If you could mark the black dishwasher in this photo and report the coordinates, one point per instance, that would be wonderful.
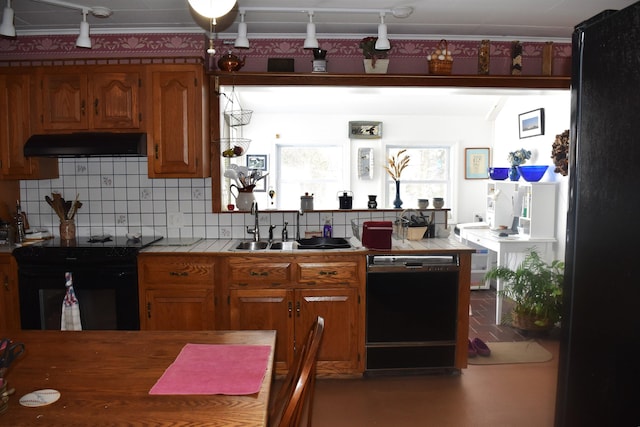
(411, 315)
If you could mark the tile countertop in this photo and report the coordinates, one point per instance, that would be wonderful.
(211, 246)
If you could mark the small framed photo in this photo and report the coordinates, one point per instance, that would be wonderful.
(257, 161)
(531, 123)
(476, 163)
(365, 130)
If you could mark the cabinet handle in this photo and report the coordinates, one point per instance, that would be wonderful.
(178, 273)
(156, 151)
(298, 308)
(95, 106)
(6, 282)
(255, 273)
(328, 273)
(148, 310)
(82, 107)
(290, 307)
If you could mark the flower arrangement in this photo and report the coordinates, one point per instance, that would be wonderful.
(516, 158)
(368, 46)
(396, 164)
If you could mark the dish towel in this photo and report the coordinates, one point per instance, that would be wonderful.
(215, 369)
(70, 319)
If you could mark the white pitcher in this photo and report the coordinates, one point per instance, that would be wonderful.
(244, 198)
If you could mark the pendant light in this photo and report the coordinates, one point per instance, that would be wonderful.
(212, 8)
(83, 39)
(311, 42)
(242, 41)
(383, 41)
(7, 28)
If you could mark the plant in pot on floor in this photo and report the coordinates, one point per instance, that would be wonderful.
(375, 61)
(536, 289)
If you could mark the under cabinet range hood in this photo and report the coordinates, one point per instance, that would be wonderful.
(85, 144)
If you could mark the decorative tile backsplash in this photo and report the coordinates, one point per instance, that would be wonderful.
(118, 198)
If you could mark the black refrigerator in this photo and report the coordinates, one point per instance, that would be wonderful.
(599, 365)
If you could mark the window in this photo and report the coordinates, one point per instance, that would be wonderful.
(427, 176)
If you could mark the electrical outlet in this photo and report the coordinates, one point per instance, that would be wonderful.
(175, 219)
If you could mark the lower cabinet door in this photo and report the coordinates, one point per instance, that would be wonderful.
(266, 309)
(178, 309)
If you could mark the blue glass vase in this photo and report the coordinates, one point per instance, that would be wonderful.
(397, 203)
(514, 175)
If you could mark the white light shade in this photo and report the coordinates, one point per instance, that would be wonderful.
(7, 28)
(83, 39)
(212, 8)
(311, 42)
(242, 41)
(383, 41)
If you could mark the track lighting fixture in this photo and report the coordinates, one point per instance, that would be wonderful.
(383, 41)
(242, 41)
(7, 28)
(83, 39)
(311, 42)
(212, 8)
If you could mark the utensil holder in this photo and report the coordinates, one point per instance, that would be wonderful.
(67, 229)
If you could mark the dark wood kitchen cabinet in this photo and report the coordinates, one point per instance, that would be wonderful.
(87, 98)
(176, 292)
(288, 293)
(9, 296)
(15, 129)
(179, 140)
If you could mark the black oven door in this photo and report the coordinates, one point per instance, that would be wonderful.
(107, 296)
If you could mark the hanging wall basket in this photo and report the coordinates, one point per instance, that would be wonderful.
(234, 114)
(234, 147)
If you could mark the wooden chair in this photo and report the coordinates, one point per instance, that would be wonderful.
(295, 397)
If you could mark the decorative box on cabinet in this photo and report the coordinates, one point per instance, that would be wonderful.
(179, 141)
(15, 129)
(176, 292)
(287, 294)
(87, 98)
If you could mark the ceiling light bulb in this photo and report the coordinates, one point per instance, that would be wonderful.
(383, 41)
(7, 28)
(242, 41)
(212, 8)
(311, 42)
(83, 39)
(211, 50)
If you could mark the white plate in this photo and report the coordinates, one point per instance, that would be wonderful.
(40, 398)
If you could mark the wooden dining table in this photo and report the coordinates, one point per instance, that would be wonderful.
(104, 378)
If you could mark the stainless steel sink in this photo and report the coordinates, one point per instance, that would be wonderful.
(324, 243)
(252, 246)
(276, 246)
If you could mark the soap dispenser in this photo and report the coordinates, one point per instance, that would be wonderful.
(328, 230)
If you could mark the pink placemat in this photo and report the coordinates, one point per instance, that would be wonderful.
(215, 369)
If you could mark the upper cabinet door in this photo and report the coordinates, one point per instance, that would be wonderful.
(178, 142)
(64, 101)
(89, 99)
(116, 100)
(15, 129)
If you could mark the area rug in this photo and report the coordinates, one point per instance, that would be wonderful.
(513, 352)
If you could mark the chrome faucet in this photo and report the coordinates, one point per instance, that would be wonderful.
(298, 215)
(256, 228)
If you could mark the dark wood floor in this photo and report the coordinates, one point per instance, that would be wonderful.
(518, 395)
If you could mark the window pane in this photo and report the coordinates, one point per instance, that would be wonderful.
(316, 170)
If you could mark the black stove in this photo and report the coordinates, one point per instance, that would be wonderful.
(83, 250)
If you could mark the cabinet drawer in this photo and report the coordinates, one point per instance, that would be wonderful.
(328, 273)
(176, 269)
(259, 273)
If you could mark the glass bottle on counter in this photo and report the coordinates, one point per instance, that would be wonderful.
(20, 235)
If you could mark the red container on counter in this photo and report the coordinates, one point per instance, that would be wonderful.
(377, 234)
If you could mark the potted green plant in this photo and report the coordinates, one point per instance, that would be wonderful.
(536, 289)
(375, 61)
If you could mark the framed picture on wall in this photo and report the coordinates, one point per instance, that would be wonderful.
(476, 163)
(531, 123)
(257, 161)
(365, 130)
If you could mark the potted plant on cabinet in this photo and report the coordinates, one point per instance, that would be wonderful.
(536, 289)
(375, 61)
